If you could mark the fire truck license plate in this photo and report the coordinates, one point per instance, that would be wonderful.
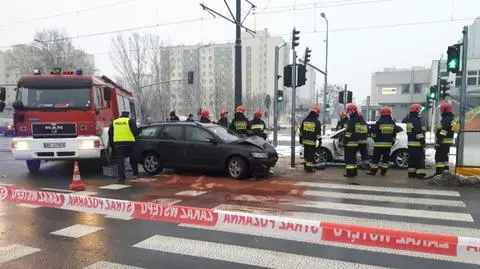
(53, 145)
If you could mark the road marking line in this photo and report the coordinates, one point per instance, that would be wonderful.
(118, 217)
(242, 255)
(404, 212)
(378, 189)
(57, 190)
(114, 187)
(28, 205)
(110, 265)
(77, 230)
(85, 193)
(15, 251)
(166, 201)
(369, 222)
(382, 198)
(190, 193)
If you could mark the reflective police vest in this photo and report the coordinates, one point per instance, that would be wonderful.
(121, 131)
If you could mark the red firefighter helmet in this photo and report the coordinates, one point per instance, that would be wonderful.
(223, 112)
(343, 114)
(415, 108)
(204, 113)
(316, 109)
(352, 107)
(258, 113)
(386, 111)
(240, 109)
(445, 107)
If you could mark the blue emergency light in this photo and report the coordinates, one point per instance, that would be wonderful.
(79, 71)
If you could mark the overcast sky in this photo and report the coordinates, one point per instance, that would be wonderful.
(415, 32)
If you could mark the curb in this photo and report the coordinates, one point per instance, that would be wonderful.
(311, 231)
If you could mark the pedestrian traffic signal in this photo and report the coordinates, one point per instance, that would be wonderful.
(345, 98)
(279, 96)
(453, 61)
(433, 94)
(327, 107)
(444, 88)
(190, 77)
(295, 39)
(423, 107)
(307, 55)
(301, 74)
(287, 76)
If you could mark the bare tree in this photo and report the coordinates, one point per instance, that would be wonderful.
(161, 92)
(51, 48)
(129, 57)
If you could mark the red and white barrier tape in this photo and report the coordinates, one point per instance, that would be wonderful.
(273, 226)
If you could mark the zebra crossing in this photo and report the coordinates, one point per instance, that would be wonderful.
(420, 210)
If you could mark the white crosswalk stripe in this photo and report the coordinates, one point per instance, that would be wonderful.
(15, 251)
(242, 255)
(110, 265)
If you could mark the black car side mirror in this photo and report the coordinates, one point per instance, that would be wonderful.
(212, 140)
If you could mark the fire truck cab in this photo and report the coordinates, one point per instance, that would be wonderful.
(65, 116)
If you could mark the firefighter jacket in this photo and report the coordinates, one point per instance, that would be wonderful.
(341, 123)
(224, 122)
(362, 131)
(356, 130)
(445, 130)
(384, 132)
(415, 130)
(311, 130)
(205, 120)
(240, 123)
(258, 127)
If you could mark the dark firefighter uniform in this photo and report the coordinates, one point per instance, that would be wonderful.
(362, 131)
(444, 138)
(353, 127)
(416, 143)
(240, 122)
(258, 126)
(122, 133)
(343, 120)
(384, 134)
(204, 116)
(310, 132)
(223, 121)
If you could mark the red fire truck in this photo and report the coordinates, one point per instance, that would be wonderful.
(65, 116)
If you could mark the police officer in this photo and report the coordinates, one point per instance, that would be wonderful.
(444, 138)
(310, 132)
(240, 122)
(362, 130)
(258, 126)
(223, 121)
(204, 116)
(384, 134)
(353, 127)
(416, 143)
(121, 134)
(343, 120)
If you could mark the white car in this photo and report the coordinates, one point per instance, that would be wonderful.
(331, 149)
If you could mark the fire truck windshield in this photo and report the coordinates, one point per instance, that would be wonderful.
(55, 98)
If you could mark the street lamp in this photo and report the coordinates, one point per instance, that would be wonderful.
(324, 116)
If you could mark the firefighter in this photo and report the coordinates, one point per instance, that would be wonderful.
(444, 138)
(352, 133)
(416, 143)
(343, 120)
(362, 130)
(223, 121)
(121, 135)
(258, 126)
(204, 116)
(240, 122)
(384, 134)
(173, 116)
(310, 132)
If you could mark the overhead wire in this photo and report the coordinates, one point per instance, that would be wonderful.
(320, 5)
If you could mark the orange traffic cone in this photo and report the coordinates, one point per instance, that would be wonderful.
(77, 184)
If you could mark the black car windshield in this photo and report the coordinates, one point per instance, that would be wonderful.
(55, 98)
(225, 134)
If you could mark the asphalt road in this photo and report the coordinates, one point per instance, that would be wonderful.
(41, 237)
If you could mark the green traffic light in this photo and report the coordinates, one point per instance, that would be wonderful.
(432, 95)
(423, 109)
(453, 64)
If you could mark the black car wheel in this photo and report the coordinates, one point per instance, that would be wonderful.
(152, 164)
(400, 158)
(33, 166)
(237, 168)
(322, 155)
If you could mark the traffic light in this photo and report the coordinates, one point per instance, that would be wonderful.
(302, 74)
(295, 38)
(279, 96)
(190, 77)
(453, 60)
(424, 106)
(307, 55)
(444, 88)
(327, 107)
(342, 96)
(433, 94)
(287, 76)
(3, 94)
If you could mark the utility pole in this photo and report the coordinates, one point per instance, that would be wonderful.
(463, 98)
(434, 110)
(294, 95)
(345, 94)
(238, 21)
(324, 116)
(275, 95)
